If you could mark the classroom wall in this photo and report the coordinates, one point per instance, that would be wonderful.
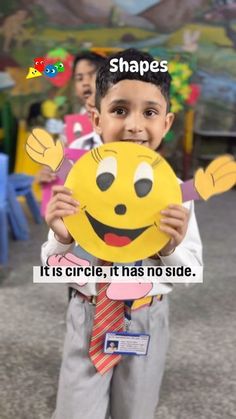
(203, 30)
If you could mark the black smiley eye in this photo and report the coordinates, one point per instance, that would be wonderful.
(143, 187)
(105, 180)
(47, 70)
(106, 173)
(143, 179)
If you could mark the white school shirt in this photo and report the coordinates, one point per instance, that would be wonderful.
(188, 253)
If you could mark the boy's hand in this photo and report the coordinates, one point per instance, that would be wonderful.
(174, 223)
(60, 205)
(45, 175)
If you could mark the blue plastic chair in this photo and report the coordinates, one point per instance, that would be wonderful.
(21, 185)
(3, 209)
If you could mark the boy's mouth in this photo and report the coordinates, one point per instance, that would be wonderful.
(136, 141)
(87, 93)
(114, 236)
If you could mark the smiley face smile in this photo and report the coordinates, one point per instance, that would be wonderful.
(114, 236)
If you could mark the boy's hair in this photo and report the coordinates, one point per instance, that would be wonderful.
(93, 57)
(105, 78)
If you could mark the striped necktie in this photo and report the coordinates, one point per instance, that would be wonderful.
(109, 317)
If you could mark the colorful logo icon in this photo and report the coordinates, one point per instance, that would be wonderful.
(39, 63)
(50, 71)
(33, 72)
(60, 67)
(56, 66)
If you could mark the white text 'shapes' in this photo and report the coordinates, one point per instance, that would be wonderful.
(141, 67)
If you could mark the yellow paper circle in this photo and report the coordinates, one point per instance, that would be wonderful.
(121, 188)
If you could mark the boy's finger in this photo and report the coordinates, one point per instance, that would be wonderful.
(47, 169)
(52, 175)
(61, 188)
(173, 222)
(52, 209)
(64, 206)
(62, 213)
(171, 232)
(66, 198)
(174, 213)
(61, 197)
(177, 207)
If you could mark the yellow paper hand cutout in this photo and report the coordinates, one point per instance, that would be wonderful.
(42, 148)
(218, 177)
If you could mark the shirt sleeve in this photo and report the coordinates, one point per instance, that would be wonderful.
(52, 246)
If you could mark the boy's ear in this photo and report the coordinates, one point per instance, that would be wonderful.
(169, 119)
(96, 121)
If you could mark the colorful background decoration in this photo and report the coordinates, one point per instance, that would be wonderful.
(205, 31)
(199, 43)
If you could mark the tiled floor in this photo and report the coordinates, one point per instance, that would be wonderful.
(200, 378)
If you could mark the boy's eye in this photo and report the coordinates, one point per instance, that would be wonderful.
(119, 111)
(150, 112)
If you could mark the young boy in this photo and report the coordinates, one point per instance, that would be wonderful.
(85, 66)
(134, 108)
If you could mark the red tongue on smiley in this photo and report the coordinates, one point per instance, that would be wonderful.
(114, 240)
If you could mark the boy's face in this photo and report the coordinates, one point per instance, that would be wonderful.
(83, 77)
(90, 101)
(135, 111)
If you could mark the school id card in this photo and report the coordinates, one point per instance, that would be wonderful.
(125, 343)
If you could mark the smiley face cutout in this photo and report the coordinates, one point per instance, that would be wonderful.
(121, 188)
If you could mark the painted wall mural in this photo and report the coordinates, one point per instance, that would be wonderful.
(200, 32)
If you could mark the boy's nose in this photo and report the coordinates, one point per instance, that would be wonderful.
(87, 79)
(134, 124)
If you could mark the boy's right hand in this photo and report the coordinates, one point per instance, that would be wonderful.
(60, 205)
(45, 175)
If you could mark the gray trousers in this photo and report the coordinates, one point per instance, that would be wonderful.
(128, 391)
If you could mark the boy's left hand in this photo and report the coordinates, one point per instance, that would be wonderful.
(174, 222)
